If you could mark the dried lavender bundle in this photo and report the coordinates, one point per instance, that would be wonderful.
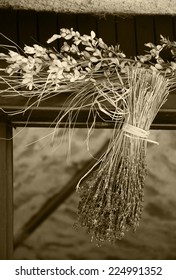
(112, 195)
(99, 77)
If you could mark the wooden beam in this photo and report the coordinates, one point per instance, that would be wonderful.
(46, 115)
(6, 192)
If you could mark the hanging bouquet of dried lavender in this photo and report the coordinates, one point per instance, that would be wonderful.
(129, 91)
(112, 196)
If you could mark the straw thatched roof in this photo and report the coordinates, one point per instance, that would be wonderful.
(96, 6)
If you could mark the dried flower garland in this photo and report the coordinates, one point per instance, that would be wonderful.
(129, 91)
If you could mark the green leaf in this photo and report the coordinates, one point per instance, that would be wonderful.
(90, 49)
(3, 56)
(98, 66)
(68, 37)
(97, 53)
(92, 34)
(158, 66)
(94, 59)
(77, 42)
(53, 56)
(149, 45)
(86, 54)
(53, 38)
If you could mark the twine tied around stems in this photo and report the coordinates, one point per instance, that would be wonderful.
(137, 132)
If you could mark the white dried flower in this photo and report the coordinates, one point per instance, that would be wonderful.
(29, 50)
(53, 38)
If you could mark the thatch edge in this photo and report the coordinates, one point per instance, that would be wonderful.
(103, 7)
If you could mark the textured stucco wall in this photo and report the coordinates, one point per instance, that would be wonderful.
(41, 170)
(96, 6)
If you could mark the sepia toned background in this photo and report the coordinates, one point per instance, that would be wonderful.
(41, 169)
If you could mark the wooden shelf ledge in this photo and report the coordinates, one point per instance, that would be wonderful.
(46, 114)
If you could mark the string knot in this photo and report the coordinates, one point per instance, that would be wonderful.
(137, 132)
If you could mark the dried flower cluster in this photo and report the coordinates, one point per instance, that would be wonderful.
(112, 196)
(129, 91)
(161, 57)
(76, 61)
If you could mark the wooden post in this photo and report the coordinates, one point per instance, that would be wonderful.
(6, 192)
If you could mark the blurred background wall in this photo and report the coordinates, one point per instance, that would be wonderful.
(42, 169)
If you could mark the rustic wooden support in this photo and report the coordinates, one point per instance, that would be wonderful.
(46, 115)
(6, 191)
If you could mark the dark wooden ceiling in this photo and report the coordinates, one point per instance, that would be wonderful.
(29, 27)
